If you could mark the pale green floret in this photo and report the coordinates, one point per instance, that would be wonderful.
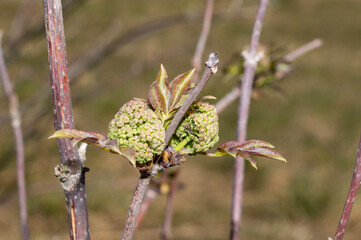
(198, 130)
(136, 126)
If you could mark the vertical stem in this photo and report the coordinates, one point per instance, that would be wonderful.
(351, 197)
(63, 118)
(243, 112)
(19, 143)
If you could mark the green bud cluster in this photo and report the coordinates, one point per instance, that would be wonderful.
(136, 126)
(198, 130)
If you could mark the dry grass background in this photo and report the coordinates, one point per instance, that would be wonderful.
(316, 127)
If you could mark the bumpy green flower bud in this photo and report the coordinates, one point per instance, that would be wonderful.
(198, 131)
(136, 126)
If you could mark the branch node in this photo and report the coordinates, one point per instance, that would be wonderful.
(252, 60)
(67, 179)
(212, 62)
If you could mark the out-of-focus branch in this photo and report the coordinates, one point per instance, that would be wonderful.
(93, 56)
(290, 57)
(144, 180)
(19, 143)
(19, 20)
(207, 20)
(151, 194)
(308, 47)
(167, 224)
(351, 197)
(21, 34)
(227, 99)
(243, 112)
(71, 170)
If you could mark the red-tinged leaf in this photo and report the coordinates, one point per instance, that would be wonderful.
(162, 88)
(180, 85)
(96, 139)
(266, 152)
(73, 133)
(229, 147)
(253, 144)
(246, 156)
(154, 98)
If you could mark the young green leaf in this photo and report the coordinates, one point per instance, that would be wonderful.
(96, 139)
(180, 85)
(162, 88)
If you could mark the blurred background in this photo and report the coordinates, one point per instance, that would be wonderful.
(315, 124)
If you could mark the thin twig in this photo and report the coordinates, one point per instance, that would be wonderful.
(19, 143)
(351, 197)
(290, 57)
(144, 180)
(208, 72)
(243, 112)
(63, 118)
(135, 203)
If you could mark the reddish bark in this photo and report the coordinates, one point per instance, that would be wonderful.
(63, 117)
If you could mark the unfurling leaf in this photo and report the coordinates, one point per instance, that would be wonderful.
(246, 150)
(180, 85)
(153, 98)
(96, 139)
(247, 156)
(162, 89)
